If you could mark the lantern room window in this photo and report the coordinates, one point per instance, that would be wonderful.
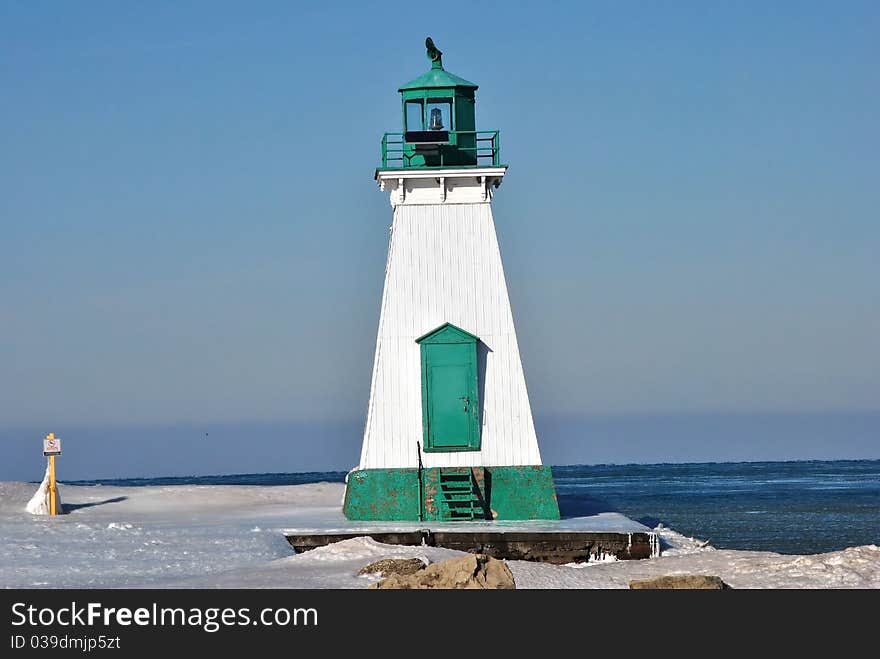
(434, 115)
(439, 115)
(414, 115)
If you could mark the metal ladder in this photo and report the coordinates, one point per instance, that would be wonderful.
(458, 501)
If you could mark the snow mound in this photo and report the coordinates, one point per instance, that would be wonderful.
(39, 503)
(361, 549)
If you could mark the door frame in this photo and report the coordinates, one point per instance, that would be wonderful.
(450, 334)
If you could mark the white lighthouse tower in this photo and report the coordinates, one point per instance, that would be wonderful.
(449, 433)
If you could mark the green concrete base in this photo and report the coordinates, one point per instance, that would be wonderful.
(522, 493)
(504, 493)
(382, 494)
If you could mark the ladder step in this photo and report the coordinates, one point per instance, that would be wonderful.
(457, 497)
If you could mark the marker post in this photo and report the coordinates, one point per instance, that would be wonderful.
(52, 448)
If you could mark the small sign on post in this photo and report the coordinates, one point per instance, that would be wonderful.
(51, 445)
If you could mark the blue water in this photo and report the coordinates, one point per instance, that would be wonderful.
(786, 507)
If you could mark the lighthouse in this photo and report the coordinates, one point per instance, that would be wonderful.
(449, 433)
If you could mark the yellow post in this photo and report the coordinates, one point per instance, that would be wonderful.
(52, 448)
(53, 508)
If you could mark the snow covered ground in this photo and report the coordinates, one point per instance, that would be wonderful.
(230, 536)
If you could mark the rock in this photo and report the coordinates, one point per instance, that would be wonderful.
(471, 571)
(497, 574)
(394, 566)
(680, 582)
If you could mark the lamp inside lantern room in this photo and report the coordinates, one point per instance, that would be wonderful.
(436, 120)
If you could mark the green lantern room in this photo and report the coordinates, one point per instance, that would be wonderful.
(439, 126)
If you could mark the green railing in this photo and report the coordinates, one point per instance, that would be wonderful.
(466, 148)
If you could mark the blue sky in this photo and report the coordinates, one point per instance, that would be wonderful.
(192, 238)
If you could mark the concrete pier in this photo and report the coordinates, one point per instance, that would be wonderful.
(573, 540)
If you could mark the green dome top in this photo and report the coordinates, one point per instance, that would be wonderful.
(437, 77)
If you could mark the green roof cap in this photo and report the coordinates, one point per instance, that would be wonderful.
(437, 76)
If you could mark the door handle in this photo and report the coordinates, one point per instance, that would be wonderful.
(467, 401)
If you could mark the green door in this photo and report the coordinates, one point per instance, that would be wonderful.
(450, 399)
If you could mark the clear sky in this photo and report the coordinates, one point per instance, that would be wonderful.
(191, 238)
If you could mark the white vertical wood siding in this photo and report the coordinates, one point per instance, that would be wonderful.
(444, 265)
